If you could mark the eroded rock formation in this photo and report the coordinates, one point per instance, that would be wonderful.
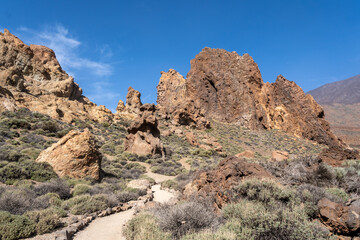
(36, 81)
(74, 155)
(143, 134)
(132, 107)
(227, 87)
(226, 175)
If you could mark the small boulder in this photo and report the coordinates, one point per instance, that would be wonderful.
(139, 184)
(191, 138)
(246, 154)
(75, 155)
(279, 155)
(339, 218)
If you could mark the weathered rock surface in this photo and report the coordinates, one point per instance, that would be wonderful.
(339, 218)
(74, 155)
(36, 81)
(246, 154)
(279, 155)
(143, 134)
(227, 174)
(227, 87)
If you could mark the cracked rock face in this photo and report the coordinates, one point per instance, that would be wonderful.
(228, 87)
(75, 155)
(143, 134)
(36, 81)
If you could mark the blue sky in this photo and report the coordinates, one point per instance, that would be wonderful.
(111, 45)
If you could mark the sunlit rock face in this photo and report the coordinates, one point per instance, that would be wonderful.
(36, 80)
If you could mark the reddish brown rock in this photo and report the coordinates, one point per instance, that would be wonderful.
(246, 154)
(133, 102)
(226, 175)
(143, 134)
(279, 155)
(339, 218)
(228, 87)
(36, 81)
(191, 138)
(75, 155)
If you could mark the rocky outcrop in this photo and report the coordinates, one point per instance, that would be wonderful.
(246, 154)
(143, 134)
(36, 81)
(75, 155)
(226, 175)
(133, 102)
(279, 155)
(339, 218)
(228, 87)
(132, 107)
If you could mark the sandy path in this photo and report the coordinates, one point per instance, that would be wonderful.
(161, 196)
(157, 177)
(106, 228)
(111, 227)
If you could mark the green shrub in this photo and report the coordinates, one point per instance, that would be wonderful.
(186, 217)
(209, 235)
(81, 189)
(47, 219)
(255, 220)
(265, 191)
(14, 227)
(144, 227)
(84, 204)
(338, 192)
(171, 184)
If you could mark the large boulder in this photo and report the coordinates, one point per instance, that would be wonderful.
(36, 81)
(143, 134)
(75, 155)
(226, 175)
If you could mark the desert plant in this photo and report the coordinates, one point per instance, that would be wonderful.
(46, 220)
(255, 221)
(144, 227)
(186, 217)
(14, 227)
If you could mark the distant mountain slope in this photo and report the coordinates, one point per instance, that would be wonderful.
(343, 92)
(341, 103)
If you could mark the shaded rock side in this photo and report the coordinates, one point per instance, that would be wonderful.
(75, 155)
(227, 87)
(143, 134)
(230, 172)
(36, 81)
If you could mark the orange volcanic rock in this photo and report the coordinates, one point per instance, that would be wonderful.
(74, 155)
(144, 135)
(227, 87)
(36, 81)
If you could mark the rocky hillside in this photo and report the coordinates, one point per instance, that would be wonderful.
(31, 77)
(341, 102)
(227, 87)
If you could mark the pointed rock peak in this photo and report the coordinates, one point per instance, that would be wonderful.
(133, 101)
(171, 89)
(120, 107)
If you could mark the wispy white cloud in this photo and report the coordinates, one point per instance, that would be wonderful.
(66, 49)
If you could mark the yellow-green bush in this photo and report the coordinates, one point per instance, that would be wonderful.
(144, 227)
(14, 227)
